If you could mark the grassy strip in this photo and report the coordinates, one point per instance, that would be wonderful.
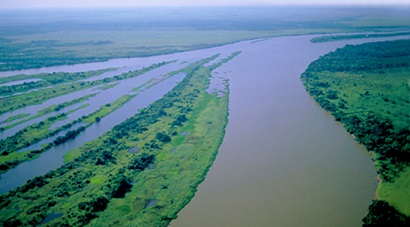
(397, 193)
(107, 109)
(34, 133)
(16, 117)
(333, 38)
(9, 158)
(40, 131)
(39, 96)
(47, 80)
(108, 86)
(372, 103)
(51, 109)
(122, 177)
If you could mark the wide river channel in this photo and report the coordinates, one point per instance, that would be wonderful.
(283, 162)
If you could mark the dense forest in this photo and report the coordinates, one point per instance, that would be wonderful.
(366, 87)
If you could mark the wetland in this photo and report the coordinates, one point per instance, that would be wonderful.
(115, 129)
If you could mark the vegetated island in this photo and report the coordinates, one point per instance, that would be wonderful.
(141, 173)
(10, 146)
(367, 88)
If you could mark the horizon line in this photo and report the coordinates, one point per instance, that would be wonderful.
(332, 5)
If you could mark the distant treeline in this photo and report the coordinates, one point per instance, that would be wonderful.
(369, 57)
(331, 38)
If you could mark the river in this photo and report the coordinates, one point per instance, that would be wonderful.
(283, 162)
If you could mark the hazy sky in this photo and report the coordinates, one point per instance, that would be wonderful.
(109, 3)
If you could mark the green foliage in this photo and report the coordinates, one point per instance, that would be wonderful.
(163, 137)
(46, 80)
(332, 38)
(369, 57)
(105, 184)
(366, 88)
(34, 133)
(69, 135)
(17, 101)
(382, 214)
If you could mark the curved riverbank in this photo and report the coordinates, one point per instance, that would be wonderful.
(369, 100)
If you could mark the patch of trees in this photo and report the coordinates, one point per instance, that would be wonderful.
(69, 135)
(180, 120)
(105, 157)
(163, 137)
(379, 135)
(382, 214)
(142, 161)
(39, 182)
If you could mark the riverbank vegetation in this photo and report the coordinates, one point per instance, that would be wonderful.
(142, 172)
(331, 38)
(366, 87)
(32, 41)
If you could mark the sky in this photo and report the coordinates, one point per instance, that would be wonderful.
(4, 4)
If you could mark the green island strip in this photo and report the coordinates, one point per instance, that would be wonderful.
(332, 38)
(9, 158)
(39, 96)
(34, 133)
(142, 172)
(106, 109)
(47, 80)
(51, 109)
(368, 92)
(108, 86)
(16, 117)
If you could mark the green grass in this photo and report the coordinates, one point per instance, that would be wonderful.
(37, 97)
(108, 86)
(179, 171)
(41, 131)
(397, 193)
(52, 79)
(366, 92)
(16, 117)
(107, 109)
(53, 108)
